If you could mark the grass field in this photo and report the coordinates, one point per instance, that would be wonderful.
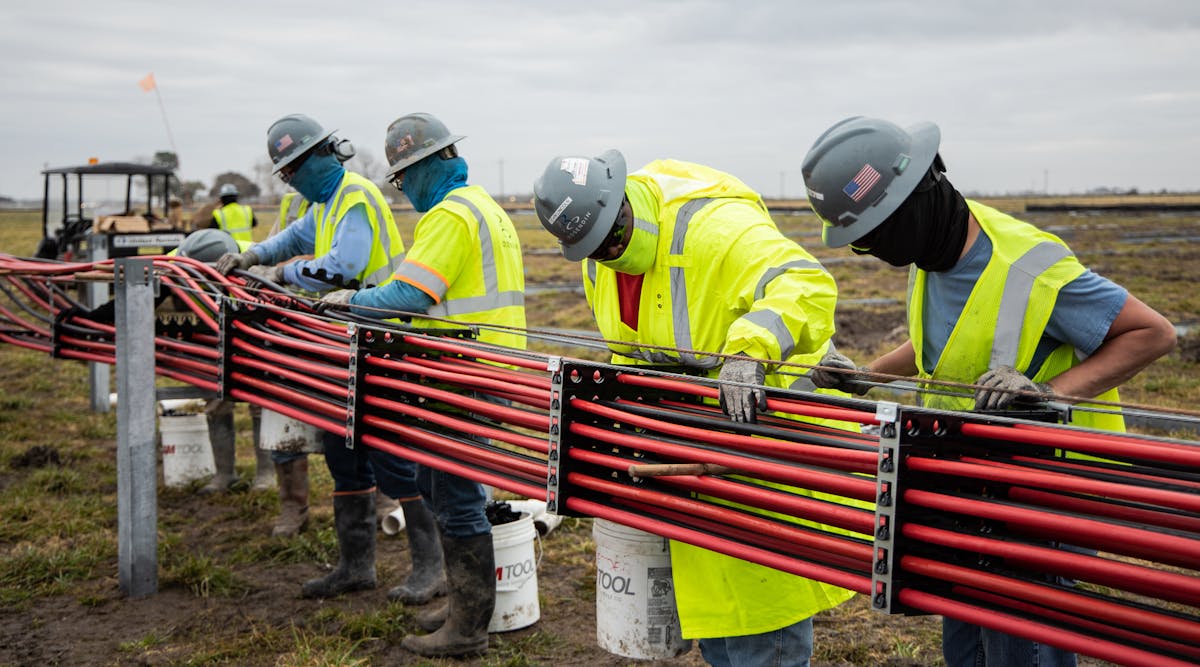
(229, 593)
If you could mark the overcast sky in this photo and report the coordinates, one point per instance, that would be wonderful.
(1069, 94)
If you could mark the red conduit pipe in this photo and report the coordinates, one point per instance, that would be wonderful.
(189, 298)
(202, 367)
(1082, 623)
(847, 460)
(1070, 603)
(770, 559)
(335, 390)
(1146, 544)
(746, 537)
(1090, 443)
(781, 405)
(286, 409)
(449, 421)
(774, 500)
(99, 327)
(443, 345)
(11, 340)
(1104, 509)
(483, 477)
(1067, 465)
(488, 370)
(818, 540)
(533, 470)
(982, 469)
(1180, 588)
(24, 288)
(859, 488)
(302, 334)
(404, 365)
(1039, 632)
(779, 422)
(341, 356)
(23, 323)
(502, 413)
(205, 339)
(298, 363)
(86, 356)
(189, 379)
(300, 400)
(187, 347)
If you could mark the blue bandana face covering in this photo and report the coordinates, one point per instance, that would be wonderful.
(427, 182)
(317, 179)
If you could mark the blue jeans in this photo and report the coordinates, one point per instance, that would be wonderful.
(967, 645)
(457, 502)
(363, 467)
(790, 646)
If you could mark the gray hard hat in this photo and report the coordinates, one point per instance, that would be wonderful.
(577, 200)
(860, 170)
(292, 136)
(228, 190)
(413, 138)
(207, 245)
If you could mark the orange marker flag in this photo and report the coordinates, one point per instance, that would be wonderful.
(147, 83)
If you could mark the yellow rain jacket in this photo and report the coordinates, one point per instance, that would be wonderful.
(724, 280)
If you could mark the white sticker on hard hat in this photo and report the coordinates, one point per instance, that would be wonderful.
(558, 211)
(813, 194)
(577, 167)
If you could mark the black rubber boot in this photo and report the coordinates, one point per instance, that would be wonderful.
(222, 436)
(354, 520)
(428, 577)
(471, 571)
(293, 498)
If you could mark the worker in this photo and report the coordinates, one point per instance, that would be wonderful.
(232, 217)
(993, 301)
(464, 266)
(175, 214)
(686, 259)
(349, 230)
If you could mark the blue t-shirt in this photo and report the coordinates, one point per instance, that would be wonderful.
(1083, 313)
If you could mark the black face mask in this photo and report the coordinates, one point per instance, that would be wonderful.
(929, 229)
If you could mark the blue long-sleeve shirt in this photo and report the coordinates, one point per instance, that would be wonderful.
(347, 257)
(396, 295)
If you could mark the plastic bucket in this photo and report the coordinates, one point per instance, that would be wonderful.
(280, 433)
(516, 576)
(636, 615)
(186, 451)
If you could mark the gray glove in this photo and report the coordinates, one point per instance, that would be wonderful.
(737, 399)
(273, 274)
(236, 260)
(999, 383)
(339, 299)
(847, 382)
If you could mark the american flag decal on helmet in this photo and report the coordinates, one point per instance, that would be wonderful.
(861, 184)
(284, 142)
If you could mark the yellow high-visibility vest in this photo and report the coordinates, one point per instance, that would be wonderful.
(388, 249)
(235, 219)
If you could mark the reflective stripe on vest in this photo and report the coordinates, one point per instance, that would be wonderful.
(492, 298)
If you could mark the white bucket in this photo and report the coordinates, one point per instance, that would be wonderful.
(280, 433)
(186, 451)
(636, 615)
(516, 576)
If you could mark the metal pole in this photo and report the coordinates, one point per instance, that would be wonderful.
(137, 473)
(97, 293)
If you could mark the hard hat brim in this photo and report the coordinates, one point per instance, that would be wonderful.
(416, 157)
(279, 166)
(926, 137)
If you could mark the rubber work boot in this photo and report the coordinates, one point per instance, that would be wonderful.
(434, 616)
(221, 435)
(354, 521)
(293, 498)
(384, 505)
(471, 571)
(428, 577)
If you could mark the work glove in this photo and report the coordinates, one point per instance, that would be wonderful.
(236, 260)
(738, 400)
(271, 274)
(997, 385)
(847, 382)
(338, 299)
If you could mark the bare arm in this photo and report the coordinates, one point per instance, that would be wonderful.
(900, 361)
(1138, 336)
